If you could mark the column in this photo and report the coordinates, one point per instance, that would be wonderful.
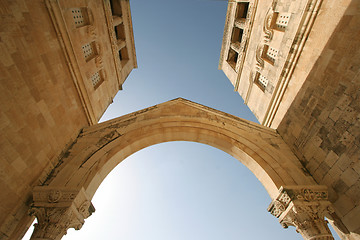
(303, 207)
(57, 210)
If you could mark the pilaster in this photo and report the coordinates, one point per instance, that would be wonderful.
(303, 207)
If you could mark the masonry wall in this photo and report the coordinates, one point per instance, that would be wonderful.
(40, 109)
(322, 125)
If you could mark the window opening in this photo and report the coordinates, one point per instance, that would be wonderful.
(96, 79)
(282, 21)
(89, 51)
(80, 17)
(124, 56)
(237, 35)
(232, 58)
(116, 7)
(270, 54)
(242, 10)
(120, 31)
(261, 81)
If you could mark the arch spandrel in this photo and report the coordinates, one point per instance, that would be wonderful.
(101, 147)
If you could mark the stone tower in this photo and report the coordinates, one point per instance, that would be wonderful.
(296, 65)
(62, 62)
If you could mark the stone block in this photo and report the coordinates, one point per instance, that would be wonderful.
(347, 138)
(321, 171)
(349, 176)
(339, 148)
(344, 205)
(356, 166)
(354, 192)
(352, 219)
(343, 102)
(335, 114)
(339, 186)
(343, 162)
(331, 158)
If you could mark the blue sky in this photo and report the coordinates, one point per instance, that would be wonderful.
(180, 190)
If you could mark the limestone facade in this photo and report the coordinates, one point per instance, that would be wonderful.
(303, 80)
(61, 64)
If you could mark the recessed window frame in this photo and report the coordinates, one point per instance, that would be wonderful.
(97, 78)
(242, 9)
(90, 51)
(120, 32)
(270, 54)
(261, 81)
(116, 8)
(123, 56)
(237, 35)
(80, 16)
(281, 21)
(232, 58)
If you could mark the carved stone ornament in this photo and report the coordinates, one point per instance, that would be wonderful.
(91, 16)
(57, 210)
(99, 62)
(269, 32)
(303, 207)
(258, 56)
(91, 30)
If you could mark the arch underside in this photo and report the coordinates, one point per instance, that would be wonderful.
(100, 148)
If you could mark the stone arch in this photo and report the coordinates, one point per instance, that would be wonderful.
(100, 148)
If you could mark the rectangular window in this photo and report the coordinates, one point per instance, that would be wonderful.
(270, 54)
(96, 79)
(237, 35)
(261, 81)
(282, 21)
(120, 31)
(89, 51)
(80, 16)
(242, 9)
(124, 56)
(116, 7)
(232, 58)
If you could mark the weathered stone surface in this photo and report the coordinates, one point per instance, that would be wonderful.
(317, 111)
(47, 95)
(303, 207)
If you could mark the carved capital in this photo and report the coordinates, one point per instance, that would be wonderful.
(303, 207)
(57, 210)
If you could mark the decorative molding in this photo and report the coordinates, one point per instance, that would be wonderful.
(113, 40)
(300, 39)
(57, 210)
(303, 207)
(267, 28)
(99, 62)
(245, 40)
(258, 56)
(226, 34)
(91, 31)
(131, 31)
(64, 39)
(90, 16)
